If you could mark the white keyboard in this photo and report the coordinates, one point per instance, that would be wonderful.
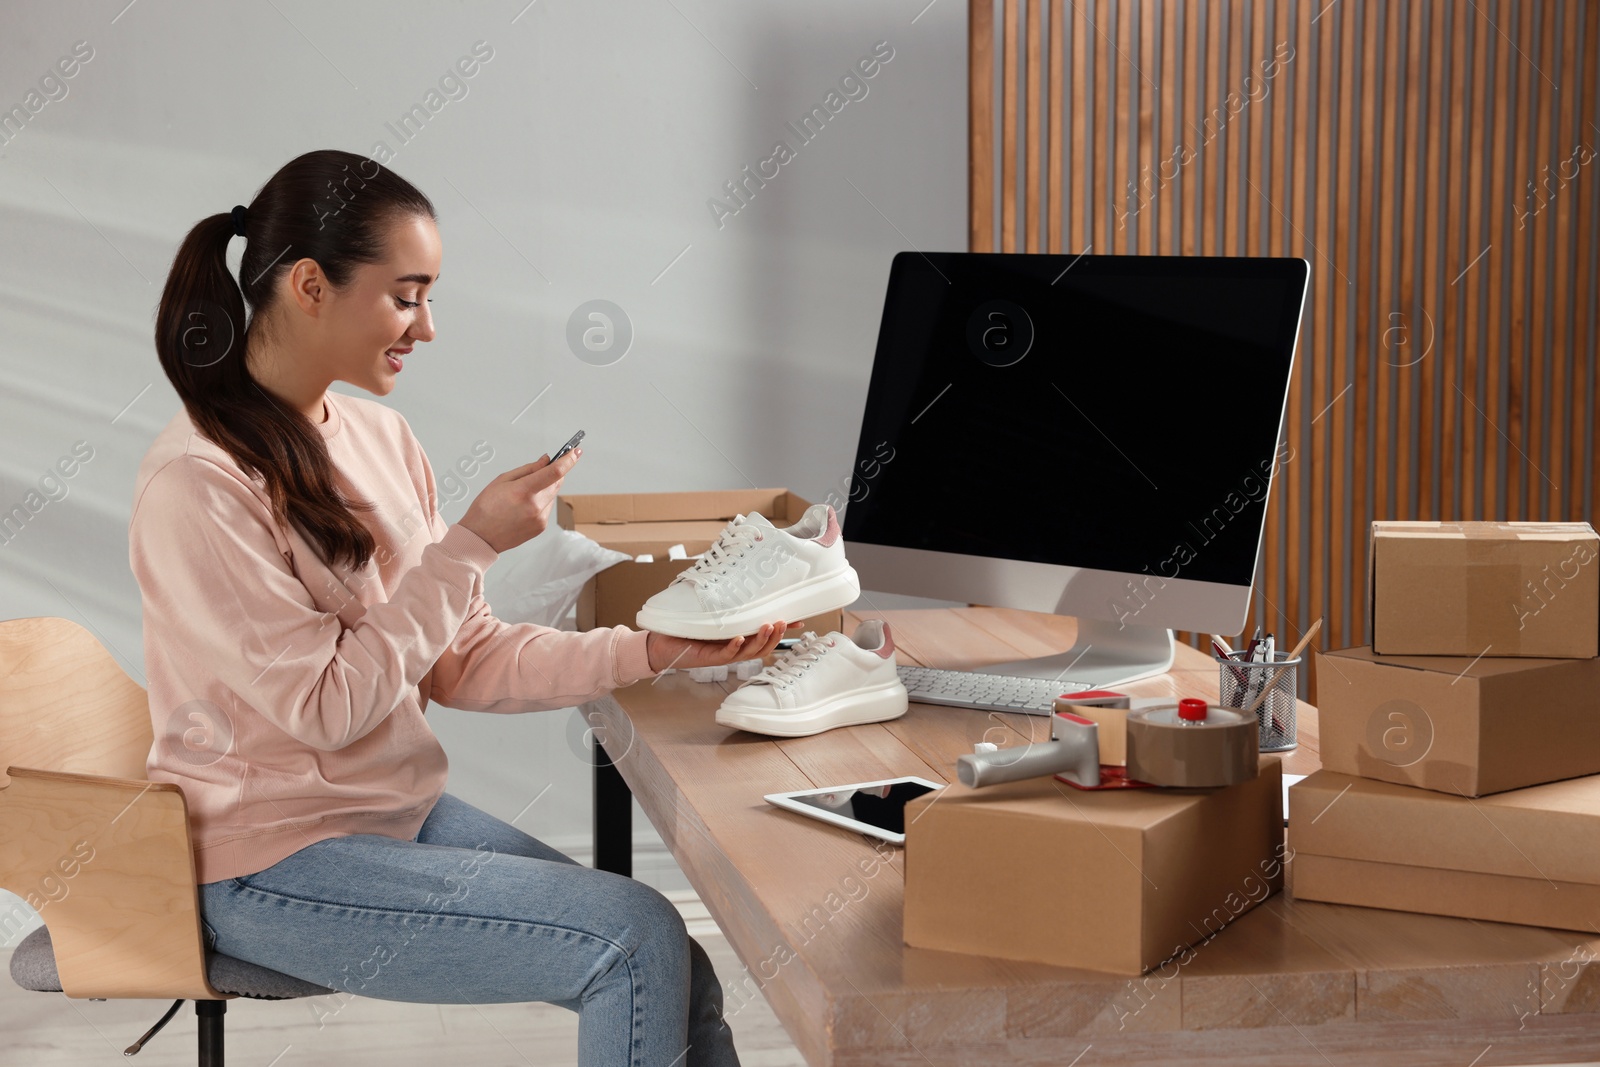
(987, 692)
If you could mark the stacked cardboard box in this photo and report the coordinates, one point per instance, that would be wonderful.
(1483, 681)
(1523, 856)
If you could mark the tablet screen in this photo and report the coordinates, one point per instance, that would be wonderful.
(882, 806)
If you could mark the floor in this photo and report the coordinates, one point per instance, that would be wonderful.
(43, 1029)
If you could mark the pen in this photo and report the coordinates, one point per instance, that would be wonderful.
(1245, 686)
(1257, 647)
(1269, 650)
(1220, 647)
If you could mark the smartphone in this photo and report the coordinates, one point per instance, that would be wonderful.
(569, 446)
(875, 808)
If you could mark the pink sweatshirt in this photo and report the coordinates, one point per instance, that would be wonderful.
(287, 697)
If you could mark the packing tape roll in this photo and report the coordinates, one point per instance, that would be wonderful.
(1164, 749)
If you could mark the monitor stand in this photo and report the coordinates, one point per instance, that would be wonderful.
(1104, 656)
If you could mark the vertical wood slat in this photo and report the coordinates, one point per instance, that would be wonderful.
(1270, 595)
(1590, 200)
(1412, 224)
(1008, 131)
(1533, 284)
(1149, 136)
(1496, 275)
(1082, 131)
(1189, 185)
(1579, 337)
(980, 127)
(1167, 228)
(1368, 83)
(1034, 161)
(1560, 336)
(1472, 328)
(1054, 182)
(1512, 400)
(1447, 134)
(1290, 119)
(1330, 388)
(1214, 190)
(1118, 119)
(1448, 346)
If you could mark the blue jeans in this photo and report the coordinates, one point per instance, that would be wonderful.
(474, 911)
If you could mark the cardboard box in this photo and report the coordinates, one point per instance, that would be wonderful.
(1457, 724)
(1530, 856)
(639, 523)
(1484, 588)
(1118, 880)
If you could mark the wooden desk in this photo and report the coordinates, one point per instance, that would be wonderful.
(1289, 982)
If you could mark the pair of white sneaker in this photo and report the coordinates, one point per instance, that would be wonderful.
(820, 683)
(755, 573)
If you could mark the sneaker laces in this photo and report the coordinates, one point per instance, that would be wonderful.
(731, 543)
(786, 666)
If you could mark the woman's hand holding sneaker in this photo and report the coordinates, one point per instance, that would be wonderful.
(681, 653)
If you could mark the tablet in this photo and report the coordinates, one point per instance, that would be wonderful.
(875, 808)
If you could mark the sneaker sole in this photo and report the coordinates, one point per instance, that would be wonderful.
(812, 597)
(854, 709)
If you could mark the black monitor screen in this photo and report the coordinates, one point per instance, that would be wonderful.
(1113, 412)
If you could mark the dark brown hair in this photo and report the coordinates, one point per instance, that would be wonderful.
(331, 206)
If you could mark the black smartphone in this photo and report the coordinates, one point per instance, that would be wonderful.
(569, 446)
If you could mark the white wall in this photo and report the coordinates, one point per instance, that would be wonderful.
(578, 165)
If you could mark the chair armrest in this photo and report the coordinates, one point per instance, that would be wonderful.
(108, 864)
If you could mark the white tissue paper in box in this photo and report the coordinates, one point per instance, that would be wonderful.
(539, 580)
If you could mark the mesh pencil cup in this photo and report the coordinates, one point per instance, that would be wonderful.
(1241, 682)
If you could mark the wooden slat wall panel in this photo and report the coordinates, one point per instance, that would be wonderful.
(1429, 158)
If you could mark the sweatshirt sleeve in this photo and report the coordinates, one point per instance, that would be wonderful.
(496, 666)
(222, 599)
(505, 667)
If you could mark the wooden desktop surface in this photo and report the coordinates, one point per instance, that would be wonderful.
(1289, 982)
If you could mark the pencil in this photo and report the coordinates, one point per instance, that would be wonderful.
(1279, 673)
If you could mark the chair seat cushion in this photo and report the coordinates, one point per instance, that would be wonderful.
(33, 966)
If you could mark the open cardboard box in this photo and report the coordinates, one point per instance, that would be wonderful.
(1462, 725)
(1484, 589)
(1117, 880)
(640, 523)
(1529, 856)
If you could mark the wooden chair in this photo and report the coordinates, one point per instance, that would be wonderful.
(99, 851)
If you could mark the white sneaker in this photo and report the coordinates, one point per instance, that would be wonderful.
(755, 573)
(820, 683)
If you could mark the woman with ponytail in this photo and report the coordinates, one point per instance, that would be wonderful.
(304, 602)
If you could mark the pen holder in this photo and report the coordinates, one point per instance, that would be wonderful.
(1240, 683)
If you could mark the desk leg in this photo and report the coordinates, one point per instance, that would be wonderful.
(613, 816)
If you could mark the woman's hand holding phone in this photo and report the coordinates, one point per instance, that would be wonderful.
(515, 506)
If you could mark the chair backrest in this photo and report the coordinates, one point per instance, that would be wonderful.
(66, 705)
(106, 860)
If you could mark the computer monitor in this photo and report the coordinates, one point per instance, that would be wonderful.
(1091, 435)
